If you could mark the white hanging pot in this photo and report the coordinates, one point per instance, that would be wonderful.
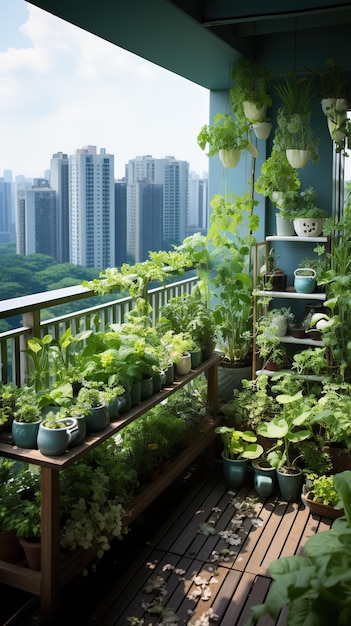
(298, 158)
(308, 226)
(334, 127)
(327, 104)
(230, 158)
(262, 130)
(252, 113)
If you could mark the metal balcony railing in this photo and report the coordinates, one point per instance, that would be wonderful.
(13, 342)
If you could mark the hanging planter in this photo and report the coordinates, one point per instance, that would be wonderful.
(298, 159)
(229, 158)
(252, 112)
(262, 130)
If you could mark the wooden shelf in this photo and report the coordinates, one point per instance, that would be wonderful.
(57, 569)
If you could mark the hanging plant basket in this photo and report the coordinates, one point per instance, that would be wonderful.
(252, 113)
(262, 130)
(230, 158)
(298, 158)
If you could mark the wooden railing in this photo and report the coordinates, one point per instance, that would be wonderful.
(30, 308)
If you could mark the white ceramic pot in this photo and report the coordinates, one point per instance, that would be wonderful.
(230, 158)
(252, 113)
(280, 323)
(285, 227)
(308, 226)
(298, 158)
(262, 130)
(183, 366)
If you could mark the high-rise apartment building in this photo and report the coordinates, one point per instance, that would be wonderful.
(198, 204)
(92, 208)
(36, 219)
(5, 210)
(121, 222)
(59, 181)
(147, 228)
(173, 175)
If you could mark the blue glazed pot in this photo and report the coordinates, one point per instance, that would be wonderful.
(302, 283)
(264, 479)
(55, 441)
(79, 435)
(24, 434)
(235, 471)
(97, 419)
(147, 388)
(290, 485)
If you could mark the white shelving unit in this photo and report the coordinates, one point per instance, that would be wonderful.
(289, 294)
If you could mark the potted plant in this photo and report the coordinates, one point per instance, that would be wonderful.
(9, 500)
(238, 448)
(227, 138)
(26, 522)
(333, 87)
(294, 134)
(91, 403)
(251, 91)
(289, 427)
(55, 433)
(314, 585)
(276, 177)
(274, 278)
(322, 498)
(27, 418)
(301, 207)
(270, 349)
(8, 395)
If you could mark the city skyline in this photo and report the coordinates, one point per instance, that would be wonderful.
(62, 88)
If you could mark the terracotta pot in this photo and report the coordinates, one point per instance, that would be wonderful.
(10, 547)
(32, 551)
(324, 510)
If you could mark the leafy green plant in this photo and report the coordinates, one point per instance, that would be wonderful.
(311, 360)
(26, 406)
(302, 204)
(315, 585)
(337, 282)
(277, 175)
(239, 444)
(253, 84)
(323, 490)
(289, 427)
(224, 134)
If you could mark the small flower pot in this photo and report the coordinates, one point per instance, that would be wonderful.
(24, 434)
(264, 478)
(277, 279)
(97, 419)
(304, 283)
(308, 226)
(183, 366)
(55, 441)
(298, 158)
(235, 471)
(324, 510)
(262, 130)
(290, 484)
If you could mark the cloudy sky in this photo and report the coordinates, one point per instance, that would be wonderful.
(62, 88)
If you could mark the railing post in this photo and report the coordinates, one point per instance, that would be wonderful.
(31, 320)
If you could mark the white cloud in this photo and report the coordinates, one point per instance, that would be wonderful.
(71, 88)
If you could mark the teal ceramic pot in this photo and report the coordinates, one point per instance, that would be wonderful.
(114, 407)
(169, 375)
(25, 434)
(79, 435)
(55, 441)
(304, 283)
(97, 419)
(290, 485)
(235, 471)
(135, 393)
(159, 379)
(147, 388)
(195, 358)
(264, 478)
(126, 402)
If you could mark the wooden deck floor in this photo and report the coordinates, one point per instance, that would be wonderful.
(165, 543)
